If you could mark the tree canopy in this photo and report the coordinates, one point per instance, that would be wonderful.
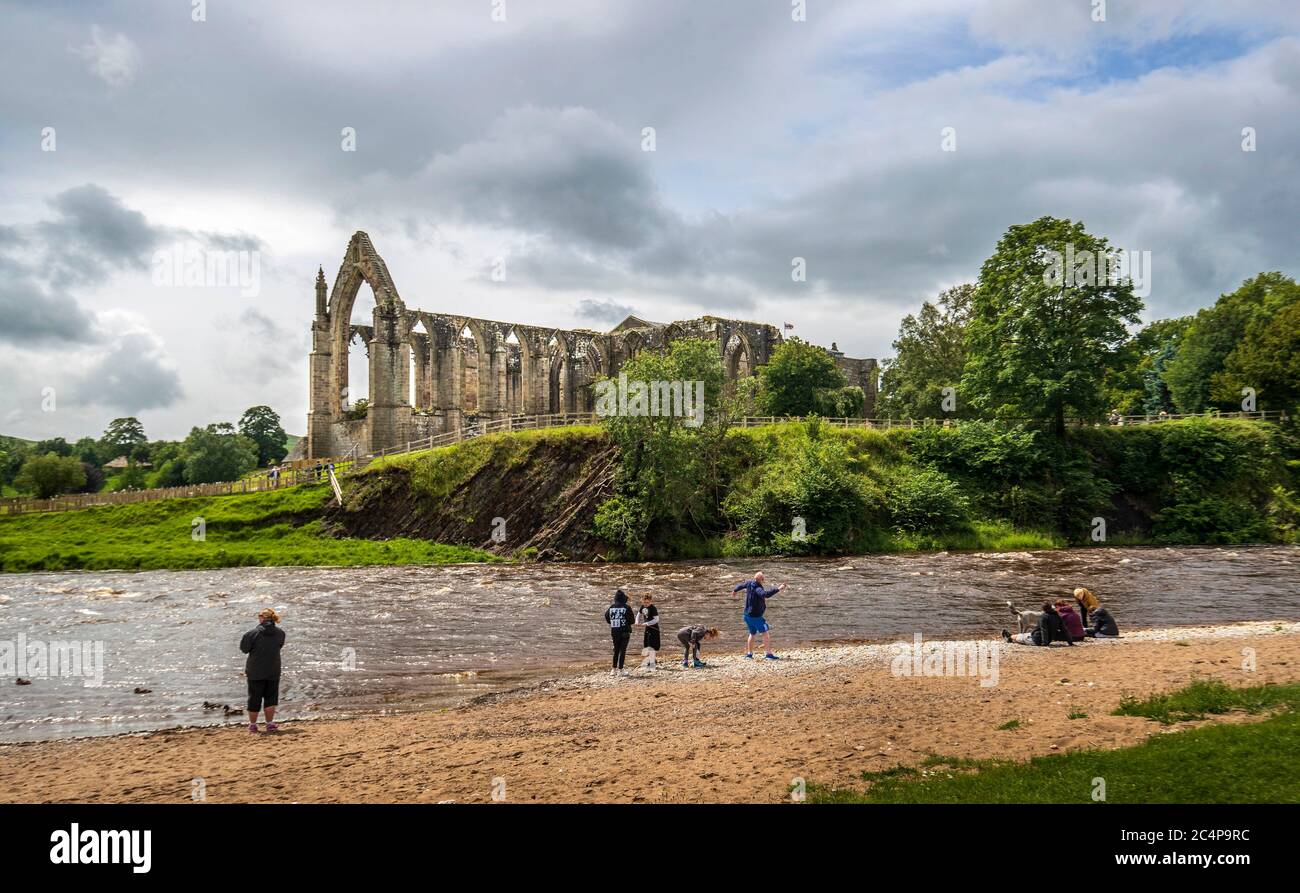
(1044, 334)
(261, 425)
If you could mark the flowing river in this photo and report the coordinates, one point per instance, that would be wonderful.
(364, 640)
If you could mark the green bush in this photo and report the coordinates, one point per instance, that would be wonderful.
(924, 500)
(621, 521)
(803, 501)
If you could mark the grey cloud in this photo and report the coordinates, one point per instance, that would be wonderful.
(33, 314)
(95, 232)
(604, 311)
(133, 376)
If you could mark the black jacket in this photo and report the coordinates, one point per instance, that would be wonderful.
(620, 616)
(1051, 628)
(1103, 624)
(262, 645)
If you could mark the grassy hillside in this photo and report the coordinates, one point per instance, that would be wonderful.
(273, 528)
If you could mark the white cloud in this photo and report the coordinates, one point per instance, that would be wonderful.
(114, 59)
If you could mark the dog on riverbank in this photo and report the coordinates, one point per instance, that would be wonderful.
(1026, 619)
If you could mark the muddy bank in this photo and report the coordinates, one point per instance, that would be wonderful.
(739, 731)
(545, 499)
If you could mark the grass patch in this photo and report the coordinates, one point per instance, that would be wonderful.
(278, 527)
(1237, 763)
(1207, 698)
(1009, 726)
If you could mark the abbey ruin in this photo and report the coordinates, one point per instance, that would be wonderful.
(436, 372)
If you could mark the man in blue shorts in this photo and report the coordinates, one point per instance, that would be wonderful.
(755, 606)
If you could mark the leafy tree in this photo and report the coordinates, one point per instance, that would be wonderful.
(1042, 338)
(170, 473)
(1137, 385)
(1216, 332)
(57, 445)
(162, 451)
(217, 453)
(261, 425)
(122, 437)
(1164, 336)
(930, 354)
(1267, 360)
(49, 475)
(802, 379)
(94, 478)
(87, 450)
(669, 475)
(12, 457)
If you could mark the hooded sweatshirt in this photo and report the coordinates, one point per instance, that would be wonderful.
(756, 597)
(619, 615)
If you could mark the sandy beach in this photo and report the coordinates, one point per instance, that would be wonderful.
(737, 731)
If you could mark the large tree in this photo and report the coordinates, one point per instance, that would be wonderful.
(930, 354)
(1267, 360)
(123, 437)
(217, 453)
(261, 425)
(50, 474)
(802, 379)
(1235, 321)
(669, 476)
(1048, 322)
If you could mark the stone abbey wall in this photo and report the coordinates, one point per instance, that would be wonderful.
(465, 367)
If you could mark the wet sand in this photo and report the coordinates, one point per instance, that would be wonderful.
(737, 731)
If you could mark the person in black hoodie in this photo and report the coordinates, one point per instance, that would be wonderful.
(262, 644)
(620, 618)
(1051, 628)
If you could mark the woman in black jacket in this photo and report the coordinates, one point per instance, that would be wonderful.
(262, 644)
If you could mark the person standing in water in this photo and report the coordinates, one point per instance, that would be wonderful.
(262, 644)
(620, 618)
(755, 607)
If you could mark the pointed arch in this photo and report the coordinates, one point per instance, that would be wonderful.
(361, 264)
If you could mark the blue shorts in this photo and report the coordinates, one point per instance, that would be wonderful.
(756, 625)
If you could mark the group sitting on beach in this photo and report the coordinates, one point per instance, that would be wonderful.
(621, 620)
(1060, 622)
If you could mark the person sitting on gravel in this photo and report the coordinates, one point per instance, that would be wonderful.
(1073, 624)
(690, 637)
(1103, 624)
(1050, 629)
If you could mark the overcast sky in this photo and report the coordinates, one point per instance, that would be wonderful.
(523, 139)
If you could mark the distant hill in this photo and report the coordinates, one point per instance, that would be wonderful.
(7, 441)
